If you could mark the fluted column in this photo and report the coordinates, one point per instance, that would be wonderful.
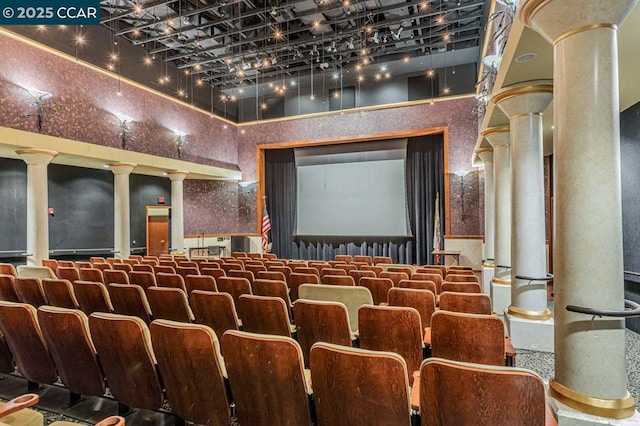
(177, 210)
(122, 211)
(590, 373)
(37, 203)
(498, 137)
(488, 265)
(524, 105)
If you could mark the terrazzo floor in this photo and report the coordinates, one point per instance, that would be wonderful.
(93, 409)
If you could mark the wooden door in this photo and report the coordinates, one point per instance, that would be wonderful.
(157, 231)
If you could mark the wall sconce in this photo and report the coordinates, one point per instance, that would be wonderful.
(461, 174)
(40, 99)
(124, 122)
(180, 141)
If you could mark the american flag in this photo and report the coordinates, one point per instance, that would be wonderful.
(437, 233)
(266, 227)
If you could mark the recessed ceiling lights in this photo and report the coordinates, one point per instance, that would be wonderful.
(526, 57)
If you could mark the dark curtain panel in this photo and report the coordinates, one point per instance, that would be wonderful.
(280, 191)
(424, 179)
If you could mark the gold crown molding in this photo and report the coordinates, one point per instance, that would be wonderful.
(488, 264)
(509, 93)
(29, 151)
(501, 281)
(492, 130)
(610, 408)
(530, 8)
(524, 114)
(122, 164)
(531, 315)
(575, 31)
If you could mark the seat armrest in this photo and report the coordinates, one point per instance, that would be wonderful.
(415, 391)
(19, 403)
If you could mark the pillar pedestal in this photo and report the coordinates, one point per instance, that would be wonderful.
(37, 203)
(498, 137)
(177, 211)
(488, 265)
(488, 270)
(524, 104)
(121, 209)
(590, 371)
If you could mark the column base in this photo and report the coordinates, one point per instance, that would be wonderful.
(529, 334)
(488, 271)
(568, 416)
(500, 294)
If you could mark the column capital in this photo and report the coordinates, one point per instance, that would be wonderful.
(485, 154)
(122, 168)
(37, 156)
(497, 136)
(557, 19)
(531, 97)
(177, 175)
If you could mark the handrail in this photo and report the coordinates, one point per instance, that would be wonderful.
(18, 252)
(549, 277)
(503, 267)
(109, 249)
(632, 309)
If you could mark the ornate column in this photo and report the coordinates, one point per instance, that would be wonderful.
(590, 373)
(488, 265)
(528, 318)
(37, 203)
(498, 137)
(122, 212)
(177, 210)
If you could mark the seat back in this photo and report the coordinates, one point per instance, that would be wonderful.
(433, 276)
(241, 273)
(187, 270)
(467, 337)
(30, 291)
(367, 259)
(130, 299)
(376, 269)
(396, 277)
(91, 274)
(213, 272)
(102, 266)
(193, 372)
(332, 271)
(440, 268)
(267, 380)
(419, 284)
(169, 303)
(382, 259)
(296, 279)
(235, 287)
(35, 272)
(283, 269)
(351, 385)
(142, 268)
(6, 360)
(423, 301)
(461, 287)
(113, 260)
(306, 270)
(458, 393)
(163, 269)
(379, 288)
(351, 297)
(456, 278)
(51, 264)
(19, 325)
(122, 267)
(188, 264)
(66, 332)
(92, 297)
(255, 268)
(8, 288)
(59, 293)
(199, 282)
(143, 279)
(392, 329)
(346, 258)
(112, 276)
(215, 310)
(471, 303)
(170, 280)
(124, 348)
(357, 274)
(270, 256)
(271, 275)
(272, 288)
(264, 315)
(338, 280)
(70, 273)
(321, 321)
(459, 268)
(8, 269)
(407, 269)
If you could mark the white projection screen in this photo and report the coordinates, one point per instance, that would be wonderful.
(352, 190)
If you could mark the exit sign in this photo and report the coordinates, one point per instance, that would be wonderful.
(161, 199)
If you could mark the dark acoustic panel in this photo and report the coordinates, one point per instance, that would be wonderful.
(630, 174)
(240, 244)
(144, 191)
(423, 87)
(13, 205)
(342, 99)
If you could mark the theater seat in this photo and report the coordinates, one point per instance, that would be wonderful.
(357, 274)
(461, 287)
(351, 297)
(60, 293)
(112, 276)
(433, 276)
(30, 291)
(193, 372)
(396, 277)
(273, 288)
(8, 269)
(16, 412)
(125, 352)
(199, 282)
(357, 386)
(264, 315)
(8, 288)
(424, 301)
(267, 379)
(170, 280)
(471, 303)
(66, 332)
(92, 297)
(91, 274)
(41, 272)
(419, 284)
(130, 299)
(215, 310)
(169, 303)
(379, 288)
(338, 280)
(142, 278)
(455, 278)
(19, 325)
(69, 273)
(235, 287)
(458, 393)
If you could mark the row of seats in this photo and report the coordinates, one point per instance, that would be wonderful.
(262, 375)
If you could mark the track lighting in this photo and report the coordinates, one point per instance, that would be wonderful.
(332, 48)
